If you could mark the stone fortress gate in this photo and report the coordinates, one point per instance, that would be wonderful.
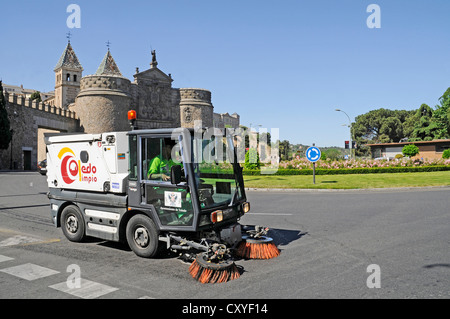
(99, 103)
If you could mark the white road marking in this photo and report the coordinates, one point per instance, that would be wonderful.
(87, 290)
(5, 258)
(18, 240)
(29, 271)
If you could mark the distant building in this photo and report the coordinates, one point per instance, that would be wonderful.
(26, 93)
(18, 90)
(427, 149)
(223, 120)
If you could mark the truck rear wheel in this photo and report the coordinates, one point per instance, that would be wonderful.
(142, 236)
(72, 223)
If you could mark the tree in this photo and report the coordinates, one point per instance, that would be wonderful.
(408, 125)
(380, 126)
(5, 131)
(265, 137)
(424, 127)
(410, 150)
(441, 117)
(252, 159)
(391, 129)
(283, 150)
(36, 96)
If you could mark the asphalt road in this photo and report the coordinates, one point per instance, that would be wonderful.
(334, 244)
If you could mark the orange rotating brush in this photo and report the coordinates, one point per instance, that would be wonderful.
(215, 268)
(257, 246)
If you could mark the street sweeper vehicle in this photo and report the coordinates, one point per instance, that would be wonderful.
(156, 189)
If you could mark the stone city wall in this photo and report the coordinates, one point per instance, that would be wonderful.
(27, 117)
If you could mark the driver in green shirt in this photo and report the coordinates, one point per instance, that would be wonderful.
(160, 165)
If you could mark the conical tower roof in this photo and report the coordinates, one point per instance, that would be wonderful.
(108, 66)
(68, 59)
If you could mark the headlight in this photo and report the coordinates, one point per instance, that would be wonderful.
(246, 207)
(217, 216)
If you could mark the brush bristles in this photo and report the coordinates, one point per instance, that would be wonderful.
(205, 275)
(257, 251)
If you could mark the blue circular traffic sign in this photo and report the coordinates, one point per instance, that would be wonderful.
(313, 154)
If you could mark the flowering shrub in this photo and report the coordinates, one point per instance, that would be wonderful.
(303, 163)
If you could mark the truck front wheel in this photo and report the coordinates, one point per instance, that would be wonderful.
(142, 236)
(72, 223)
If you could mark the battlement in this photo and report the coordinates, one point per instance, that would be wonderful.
(194, 94)
(105, 82)
(22, 101)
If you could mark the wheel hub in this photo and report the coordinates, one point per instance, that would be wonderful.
(72, 224)
(141, 237)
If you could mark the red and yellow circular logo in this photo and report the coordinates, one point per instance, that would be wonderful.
(69, 165)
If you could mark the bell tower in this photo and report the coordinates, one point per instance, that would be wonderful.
(68, 74)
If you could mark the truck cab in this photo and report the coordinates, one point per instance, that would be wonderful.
(208, 192)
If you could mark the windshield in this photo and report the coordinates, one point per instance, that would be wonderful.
(213, 162)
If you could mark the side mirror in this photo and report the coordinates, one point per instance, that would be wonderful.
(175, 174)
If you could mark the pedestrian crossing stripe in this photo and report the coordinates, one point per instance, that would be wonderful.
(18, 240)
(29, 271)
(25, 240)
(87, 289)
(5, 258)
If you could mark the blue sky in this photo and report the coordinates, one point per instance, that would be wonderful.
(281, 64)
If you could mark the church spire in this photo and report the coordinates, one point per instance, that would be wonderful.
(108, 66)
(68, 59)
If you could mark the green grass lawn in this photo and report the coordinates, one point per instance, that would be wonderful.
(350, 181)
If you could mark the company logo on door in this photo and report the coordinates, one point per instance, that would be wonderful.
(72, 169)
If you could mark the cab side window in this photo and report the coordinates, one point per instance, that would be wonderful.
(157, 159)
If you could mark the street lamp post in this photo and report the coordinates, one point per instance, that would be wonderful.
(350, 127)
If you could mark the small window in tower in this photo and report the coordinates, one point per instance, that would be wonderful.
(74, 77)
(68, 77)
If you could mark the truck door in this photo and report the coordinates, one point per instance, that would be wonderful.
(172, 204)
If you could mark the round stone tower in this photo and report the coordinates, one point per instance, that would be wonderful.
(104, 99)
(195, 105)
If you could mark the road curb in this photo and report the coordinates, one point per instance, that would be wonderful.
(312, 190)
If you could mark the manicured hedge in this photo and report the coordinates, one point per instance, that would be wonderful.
(321, 171)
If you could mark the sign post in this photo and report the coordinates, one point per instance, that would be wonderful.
(313, 155)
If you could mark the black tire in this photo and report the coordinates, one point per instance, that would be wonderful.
(72, 224)
(143, 236)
